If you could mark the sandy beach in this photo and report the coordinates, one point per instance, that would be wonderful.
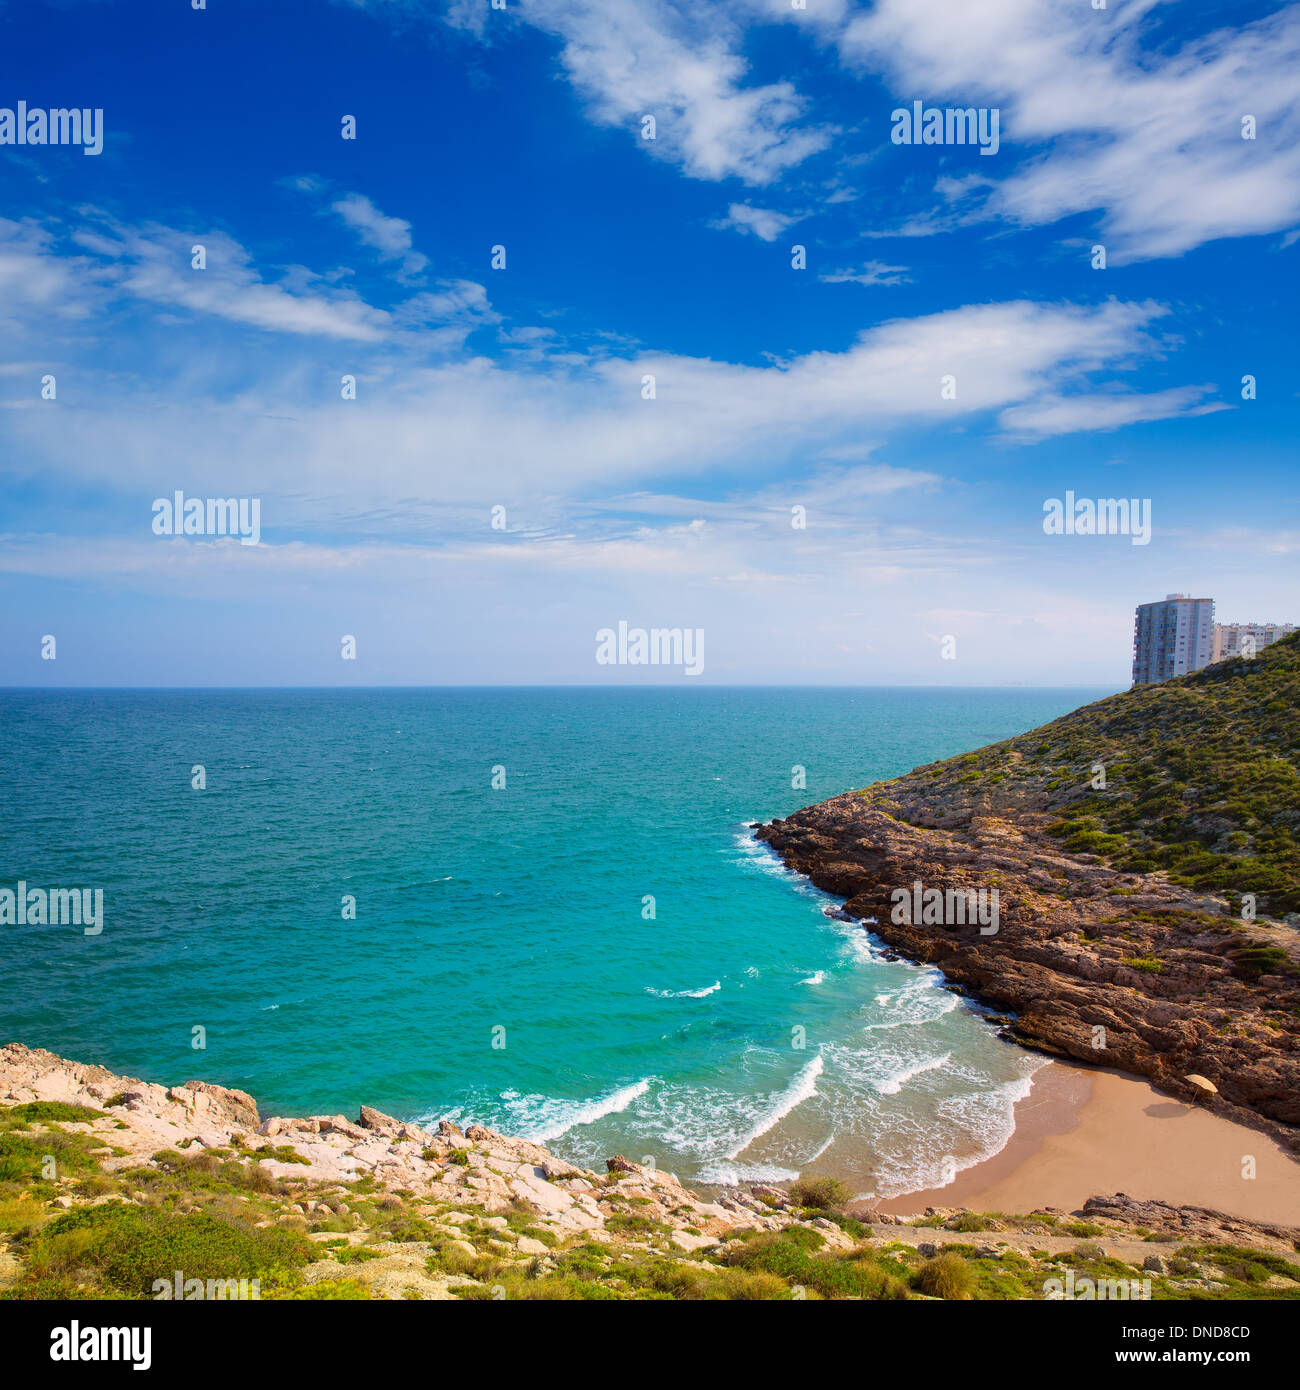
(1082, 1132)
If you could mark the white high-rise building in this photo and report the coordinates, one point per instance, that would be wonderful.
(1172, 637)
(1241, 639)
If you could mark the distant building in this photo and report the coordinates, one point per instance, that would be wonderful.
(1239, 639)
(1172, 637)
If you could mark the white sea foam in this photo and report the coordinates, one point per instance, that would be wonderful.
(758, 854)
(685, 993)
(729, 1174)
(990, 1116)
(802, 1088)
(707, 1123)
(812, 1158)
(894, 1083)
(543, 1119)
(981, 1124)
(934, 1099)
(858, 944)
(919, 1001)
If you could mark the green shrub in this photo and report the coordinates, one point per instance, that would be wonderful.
(21, 1215)
(47, 1112)
(22, 1157)
(126, 1248)
(447, 1259)
(691, 1282)
(632, 1225)
(1148, 965)
(1251, 961)
(946, 1276)
(51, 1290)
(849, 1276)
(823, 1194)
(356, 1255)
(406, 1229)
(281, 1153)
(970, 1221)
(519, 1289)
(1249, 1266)
(208, 1172)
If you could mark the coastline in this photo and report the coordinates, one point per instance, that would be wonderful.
(1083, 1130)
(1106, 921)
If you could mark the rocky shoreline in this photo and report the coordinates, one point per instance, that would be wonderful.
(471, 1166)
(1122, 970)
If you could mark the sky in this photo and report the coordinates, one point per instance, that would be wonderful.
(768, 375)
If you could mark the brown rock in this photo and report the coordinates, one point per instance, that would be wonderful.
(219, 1105)
(370, 1118)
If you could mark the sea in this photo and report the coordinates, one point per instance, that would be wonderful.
(539, 909)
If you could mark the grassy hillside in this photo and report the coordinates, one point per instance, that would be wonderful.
(1201, 778)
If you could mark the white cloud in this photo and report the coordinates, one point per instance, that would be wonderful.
(1054, 415)
(872, 273)
(453, 302)
(474, 432)
(1151, 138)
(390, 236)
(35, 281)
(153, 263)
(760, 222)
(682, 64)
(1110, 117)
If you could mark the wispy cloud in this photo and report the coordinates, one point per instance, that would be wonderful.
(471, 429)
(390, 236)
(157, 264)
(1148, 137)
(683, 65)
(36, 280)
(763, 223)
(1053, 415)
(872, 273)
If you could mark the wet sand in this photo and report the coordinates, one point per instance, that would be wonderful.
(1083, 1132)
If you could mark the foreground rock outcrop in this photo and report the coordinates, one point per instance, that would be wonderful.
(115, 1187)
(475, 1166)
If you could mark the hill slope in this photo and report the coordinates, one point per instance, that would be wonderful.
(1202, 777)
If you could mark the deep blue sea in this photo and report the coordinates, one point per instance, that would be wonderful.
(501, 966)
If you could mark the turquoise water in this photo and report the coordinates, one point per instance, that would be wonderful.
(501, 916)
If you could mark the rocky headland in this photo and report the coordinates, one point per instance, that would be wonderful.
(1145, 856)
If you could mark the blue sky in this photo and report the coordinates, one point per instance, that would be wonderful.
(521, 387)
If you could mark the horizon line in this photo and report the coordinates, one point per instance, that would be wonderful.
(557, 685)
